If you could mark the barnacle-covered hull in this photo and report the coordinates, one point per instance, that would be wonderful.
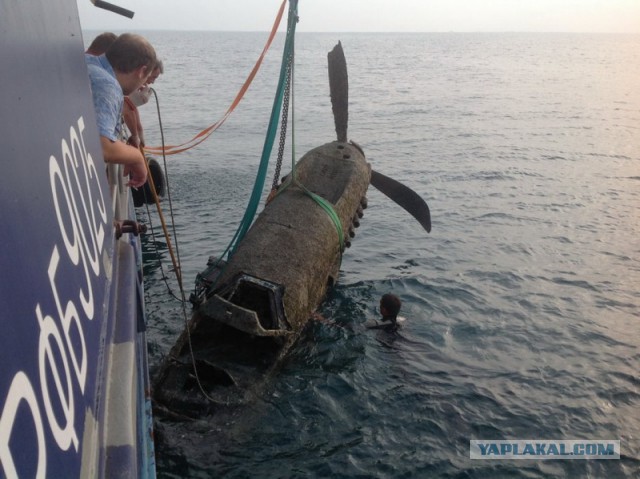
(255, 306)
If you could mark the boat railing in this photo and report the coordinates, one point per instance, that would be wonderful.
(119, 192)
(128, 435)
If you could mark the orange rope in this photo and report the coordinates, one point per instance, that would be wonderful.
(204, 134)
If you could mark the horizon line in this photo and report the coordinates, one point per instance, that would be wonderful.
(372, 32)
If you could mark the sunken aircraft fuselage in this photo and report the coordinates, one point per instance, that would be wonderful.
(258, 302)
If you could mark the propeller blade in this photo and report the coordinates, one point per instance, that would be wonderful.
(403, 196)
(339, 87)
(396, 191)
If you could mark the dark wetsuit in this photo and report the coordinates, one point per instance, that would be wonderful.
(389, 324)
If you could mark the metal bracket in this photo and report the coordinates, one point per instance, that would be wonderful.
(129, 226)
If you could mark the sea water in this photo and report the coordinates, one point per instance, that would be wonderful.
(522, 305)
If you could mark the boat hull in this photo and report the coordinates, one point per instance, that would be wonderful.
(74, 378)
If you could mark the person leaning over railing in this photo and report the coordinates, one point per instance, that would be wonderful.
(101, 43)
(133, 101)
(124, 68)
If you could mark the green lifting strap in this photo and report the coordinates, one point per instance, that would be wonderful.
(324, 204)
(261, 176)
(330, 211)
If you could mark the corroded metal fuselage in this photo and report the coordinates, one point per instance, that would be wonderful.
(258, 303)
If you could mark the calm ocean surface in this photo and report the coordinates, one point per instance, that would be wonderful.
(522, 305)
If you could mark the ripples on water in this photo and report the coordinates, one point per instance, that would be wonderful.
(522, 304)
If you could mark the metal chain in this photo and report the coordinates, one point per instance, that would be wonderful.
(283, 125)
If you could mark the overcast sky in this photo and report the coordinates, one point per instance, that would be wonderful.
(373, 15)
